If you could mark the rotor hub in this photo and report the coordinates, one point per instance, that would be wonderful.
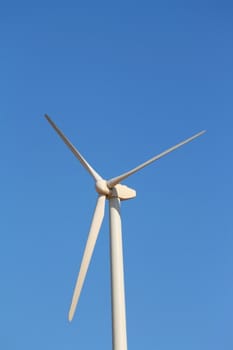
(102, 187)
(119, 191)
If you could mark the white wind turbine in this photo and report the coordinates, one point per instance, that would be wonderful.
(114, 192)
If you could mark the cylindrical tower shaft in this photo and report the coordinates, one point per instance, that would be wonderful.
(119, 336)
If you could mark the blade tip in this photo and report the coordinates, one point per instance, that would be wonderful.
(200, 133)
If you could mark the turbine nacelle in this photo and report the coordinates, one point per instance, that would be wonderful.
(123, 192)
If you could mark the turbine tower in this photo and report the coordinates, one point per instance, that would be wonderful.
(114, 192)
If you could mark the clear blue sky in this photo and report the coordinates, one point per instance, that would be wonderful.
(124, 81)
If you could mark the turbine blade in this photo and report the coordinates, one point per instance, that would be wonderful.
(88, 252)
(114, 181)
(77, 154)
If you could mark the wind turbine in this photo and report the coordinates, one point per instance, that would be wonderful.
(114, 192)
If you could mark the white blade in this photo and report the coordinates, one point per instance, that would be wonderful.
(90, 245)
(114, 181)
(77, 154)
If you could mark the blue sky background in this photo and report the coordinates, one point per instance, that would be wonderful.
(124, 81)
